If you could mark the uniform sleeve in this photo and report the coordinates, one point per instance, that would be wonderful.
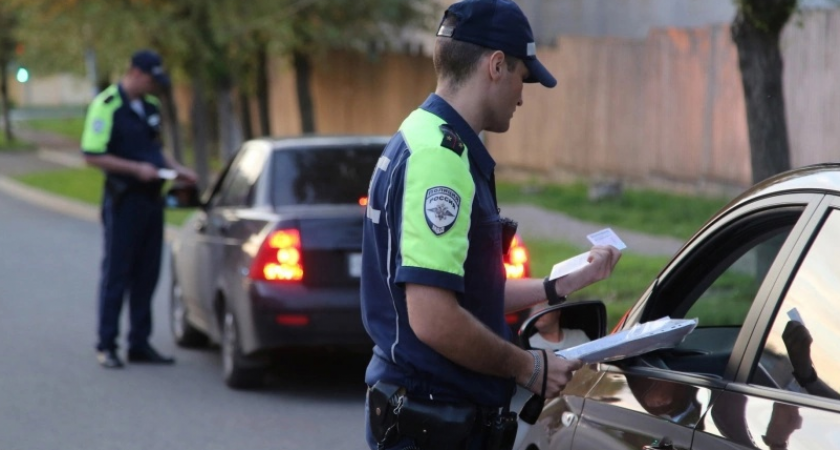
(436, 209)
(98, 125)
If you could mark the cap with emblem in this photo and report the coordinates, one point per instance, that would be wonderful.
(498, 25)
(150, 62)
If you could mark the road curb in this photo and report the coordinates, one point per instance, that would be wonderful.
(62, 205)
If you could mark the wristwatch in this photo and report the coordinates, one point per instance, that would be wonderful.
(551, 293)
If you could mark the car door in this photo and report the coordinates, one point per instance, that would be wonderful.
(722, 278)
(218, 226)
(766, 406)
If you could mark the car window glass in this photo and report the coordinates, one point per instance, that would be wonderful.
(336, 175)
(717, 284)
(728, 299)
(239, 184)
(804, 334)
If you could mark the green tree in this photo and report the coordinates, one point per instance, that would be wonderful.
(757, 30)
(344, 24)
(8, 25)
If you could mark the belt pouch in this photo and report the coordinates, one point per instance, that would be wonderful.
(436, 424)
(382, 400)
(502, 432)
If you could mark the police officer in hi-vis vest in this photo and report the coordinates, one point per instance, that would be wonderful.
(122, 136)
(434, 293)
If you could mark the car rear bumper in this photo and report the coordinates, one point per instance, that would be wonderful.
(296, 316)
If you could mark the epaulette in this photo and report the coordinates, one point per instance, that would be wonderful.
(451, 139)
(108, 99)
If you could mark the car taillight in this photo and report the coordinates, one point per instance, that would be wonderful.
(517, 264)
(279, 258)
(363, 201)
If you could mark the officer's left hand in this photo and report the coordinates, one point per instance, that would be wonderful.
(602, 261)
(186, 174)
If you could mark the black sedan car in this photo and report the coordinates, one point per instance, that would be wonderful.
(761, 369)
(272, 258)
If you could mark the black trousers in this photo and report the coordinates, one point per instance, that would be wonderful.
(133, 242)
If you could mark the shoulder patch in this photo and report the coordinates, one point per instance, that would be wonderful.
(442, 205)
(108, 99)
(451, 139)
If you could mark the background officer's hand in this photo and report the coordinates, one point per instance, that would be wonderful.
(146, 172)
(186, 174)
(602, 261)
(559, 373)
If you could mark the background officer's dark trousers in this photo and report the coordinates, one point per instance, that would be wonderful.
(131, 265)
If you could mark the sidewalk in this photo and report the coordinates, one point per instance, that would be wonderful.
(56, 152)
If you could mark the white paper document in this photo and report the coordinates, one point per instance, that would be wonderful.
(793, 314)
(604, 237)
(167, 174)
(642, 338)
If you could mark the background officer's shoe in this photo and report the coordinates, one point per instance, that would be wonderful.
(109, 359)
(149, 355)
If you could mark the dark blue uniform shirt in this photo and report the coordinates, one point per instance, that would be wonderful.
(432, 220)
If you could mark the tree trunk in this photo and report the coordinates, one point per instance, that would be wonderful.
(230, 136)
(263, 93)
(201, 131)
(169, 111)
(760, 61)
(4, 99)
(303, 70)
(245, 116)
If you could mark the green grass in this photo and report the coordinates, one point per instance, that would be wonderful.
(84, 185)
(70, 127)
(15, 145)
(639, 210)
(631, 276)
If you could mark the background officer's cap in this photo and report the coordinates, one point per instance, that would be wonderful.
(150, 62)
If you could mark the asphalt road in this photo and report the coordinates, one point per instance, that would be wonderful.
(55, 396)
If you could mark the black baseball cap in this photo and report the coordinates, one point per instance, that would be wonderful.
(498, 25)
(150, 62)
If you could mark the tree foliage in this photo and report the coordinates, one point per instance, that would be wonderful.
(217, 48)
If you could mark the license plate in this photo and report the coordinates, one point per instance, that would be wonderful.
(354, 264)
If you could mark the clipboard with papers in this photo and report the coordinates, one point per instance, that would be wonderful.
(634, 341)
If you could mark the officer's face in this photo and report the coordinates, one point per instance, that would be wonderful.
(507, 97)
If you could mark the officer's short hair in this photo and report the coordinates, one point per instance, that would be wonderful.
(455, 60)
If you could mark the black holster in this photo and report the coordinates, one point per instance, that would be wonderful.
(431, 424)
(116, 189)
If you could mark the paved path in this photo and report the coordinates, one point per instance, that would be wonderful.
(55, 152)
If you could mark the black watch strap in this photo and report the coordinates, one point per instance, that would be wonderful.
(551, 293)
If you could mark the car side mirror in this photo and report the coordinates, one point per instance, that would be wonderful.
(589, 316)
(182, 196)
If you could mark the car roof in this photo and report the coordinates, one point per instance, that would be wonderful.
(291, 142)
(817, 178)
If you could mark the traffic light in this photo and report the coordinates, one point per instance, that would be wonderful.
(22, 75)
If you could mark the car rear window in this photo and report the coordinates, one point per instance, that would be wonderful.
(323, 175)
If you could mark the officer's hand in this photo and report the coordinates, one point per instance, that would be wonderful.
(602, 261)
(559, 374)
(187, 175)
(145, 171)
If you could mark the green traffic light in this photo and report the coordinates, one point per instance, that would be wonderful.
(22, 75)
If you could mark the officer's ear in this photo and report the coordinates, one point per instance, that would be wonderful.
(497, 65)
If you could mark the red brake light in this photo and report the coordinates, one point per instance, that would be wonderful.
(517, 262)
(363, 201)
(279, 258)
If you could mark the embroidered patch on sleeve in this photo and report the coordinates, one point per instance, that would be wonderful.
(98, 125)
(442, 206)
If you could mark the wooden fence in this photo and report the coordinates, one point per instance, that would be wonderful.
(666, 111)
